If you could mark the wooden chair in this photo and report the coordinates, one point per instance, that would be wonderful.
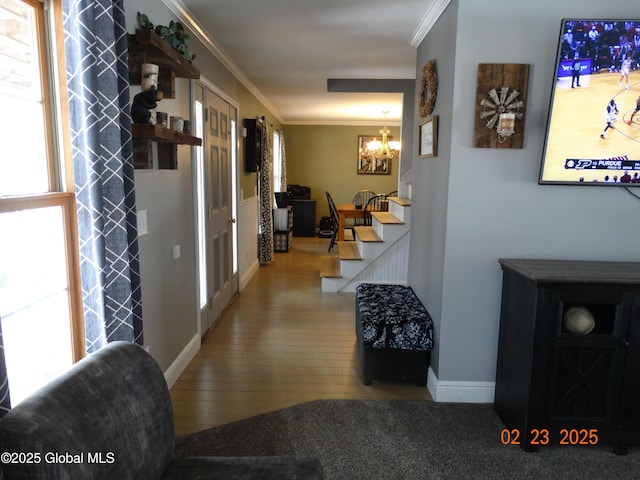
(361, 198)
(379, 203)
(393, 194)
(364, 195)
(335, 222)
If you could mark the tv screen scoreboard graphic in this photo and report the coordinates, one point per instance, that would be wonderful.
(620, 163)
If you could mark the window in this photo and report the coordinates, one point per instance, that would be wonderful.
(24, 94)
(40, 310)
(277, 162)
(201, 208)
(234, 186)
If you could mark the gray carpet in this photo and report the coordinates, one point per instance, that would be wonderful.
(402, 439)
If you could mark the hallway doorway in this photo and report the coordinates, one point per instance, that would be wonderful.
(216, 202)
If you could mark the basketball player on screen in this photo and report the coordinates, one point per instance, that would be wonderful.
(610, 116)
(630, 121)
(625, 69)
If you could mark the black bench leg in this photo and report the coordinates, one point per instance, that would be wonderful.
(367, 368)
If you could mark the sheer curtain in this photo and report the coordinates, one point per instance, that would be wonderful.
(283, 165)
(279, 163)
(98, 86)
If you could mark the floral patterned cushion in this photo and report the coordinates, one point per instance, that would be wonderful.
(393, 317)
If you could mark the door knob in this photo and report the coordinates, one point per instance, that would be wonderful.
(232, 220)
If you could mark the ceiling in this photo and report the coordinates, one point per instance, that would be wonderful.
(284, 51)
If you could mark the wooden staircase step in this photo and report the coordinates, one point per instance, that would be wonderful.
(330, 266)
(349, 251)
(405, 202)
(367, 234)
(387, 218)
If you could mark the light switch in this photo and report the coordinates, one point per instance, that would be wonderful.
(142, 223)
(176, 252)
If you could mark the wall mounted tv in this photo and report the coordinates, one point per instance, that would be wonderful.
(593, 128)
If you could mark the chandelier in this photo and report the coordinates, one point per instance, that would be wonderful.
(384, 149)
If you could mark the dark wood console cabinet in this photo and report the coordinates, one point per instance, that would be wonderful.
(304, 218)
(550, 379)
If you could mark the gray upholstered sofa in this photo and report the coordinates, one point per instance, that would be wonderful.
(110, 417)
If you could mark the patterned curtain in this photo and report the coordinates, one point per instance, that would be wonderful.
(98, 85)
(266, 201)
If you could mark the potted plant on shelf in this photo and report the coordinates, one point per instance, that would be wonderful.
(173, 34)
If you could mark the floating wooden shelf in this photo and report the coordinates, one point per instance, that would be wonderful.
(168, 141)
(145, 46)
(162, 134)
(155, 50)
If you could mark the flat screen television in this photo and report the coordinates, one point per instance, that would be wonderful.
(593, 128)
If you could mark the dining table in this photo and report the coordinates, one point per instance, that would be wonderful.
(347, 210)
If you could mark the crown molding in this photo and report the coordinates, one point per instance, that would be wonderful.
(187, 18)
(344, 123)
(428, 21)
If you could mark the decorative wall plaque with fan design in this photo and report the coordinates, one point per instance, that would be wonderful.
(501, 95)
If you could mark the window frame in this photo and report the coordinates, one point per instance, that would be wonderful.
(50, 42)
(67, 202)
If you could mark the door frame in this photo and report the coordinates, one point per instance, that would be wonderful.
(204, 83)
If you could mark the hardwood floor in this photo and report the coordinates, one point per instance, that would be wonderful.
(281, 342)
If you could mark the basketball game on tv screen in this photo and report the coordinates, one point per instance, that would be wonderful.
(593, 130)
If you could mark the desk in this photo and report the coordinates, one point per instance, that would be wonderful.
(347, 210)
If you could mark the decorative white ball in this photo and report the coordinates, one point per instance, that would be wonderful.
(579, 320)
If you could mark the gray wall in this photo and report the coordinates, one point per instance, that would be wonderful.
(169, 299)
(430, 188)
(479, 205)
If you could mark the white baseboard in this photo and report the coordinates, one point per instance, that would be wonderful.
(248, 275)
(182, 360)
(459, 392)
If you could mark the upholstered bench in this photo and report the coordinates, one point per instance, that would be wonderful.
(394, 333)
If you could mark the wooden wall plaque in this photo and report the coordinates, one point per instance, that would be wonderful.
(505, 80)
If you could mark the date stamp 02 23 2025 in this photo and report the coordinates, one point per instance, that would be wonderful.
(568, 436)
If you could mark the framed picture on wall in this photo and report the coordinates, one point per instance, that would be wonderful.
(428, 138)
(368, 164)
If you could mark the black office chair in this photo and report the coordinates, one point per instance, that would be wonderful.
(379, 203)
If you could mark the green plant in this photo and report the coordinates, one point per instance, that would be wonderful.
(143, 21)
(173, 34)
